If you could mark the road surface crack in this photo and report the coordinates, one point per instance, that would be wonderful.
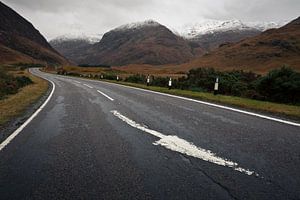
(216, 182)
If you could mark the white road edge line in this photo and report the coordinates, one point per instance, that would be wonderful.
(174, 143)
(88, 86)
(212, 104)
(16, 132)
(105, 95)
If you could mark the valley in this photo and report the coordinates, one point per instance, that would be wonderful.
(149, 99)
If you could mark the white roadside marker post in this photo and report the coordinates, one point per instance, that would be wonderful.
(117, 78)
(170, 84)
(148, 80)
(216, 86)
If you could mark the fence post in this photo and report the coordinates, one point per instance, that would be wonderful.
(148, 80)
(216, 86)
(170, 84)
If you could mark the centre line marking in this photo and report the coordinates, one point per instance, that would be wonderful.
(174, 143)
(105, 95)
(77, 81)
(88, 86)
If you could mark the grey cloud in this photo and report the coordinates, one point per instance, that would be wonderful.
(69, 5)
(266, 10)
(57, 17)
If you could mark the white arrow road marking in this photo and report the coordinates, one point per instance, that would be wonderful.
(174, 143)
(88, 86)
(105, 95)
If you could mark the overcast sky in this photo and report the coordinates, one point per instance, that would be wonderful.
(59, 17)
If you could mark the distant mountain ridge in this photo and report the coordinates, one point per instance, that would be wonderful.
(210, 34)
(194, 41)
(83, 37)
(21, 42)
(190, 31)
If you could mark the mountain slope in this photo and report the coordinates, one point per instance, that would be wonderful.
(139, 43)
(21, 42)
(271, 49)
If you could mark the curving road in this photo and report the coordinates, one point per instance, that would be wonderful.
(96, 140)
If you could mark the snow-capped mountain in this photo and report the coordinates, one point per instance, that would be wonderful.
(91, 38)
(210, 34)
(263, 26)
(145, 42)
(73, 45)
(138, 25)
(212, 26)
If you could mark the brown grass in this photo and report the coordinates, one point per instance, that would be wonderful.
(90, 70)
(121, 71)
(15, 105)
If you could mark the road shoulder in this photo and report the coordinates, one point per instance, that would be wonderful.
(20, 112)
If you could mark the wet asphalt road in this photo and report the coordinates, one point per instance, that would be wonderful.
(77, 149)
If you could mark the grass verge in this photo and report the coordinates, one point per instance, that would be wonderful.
(290, 111)
(14, 105)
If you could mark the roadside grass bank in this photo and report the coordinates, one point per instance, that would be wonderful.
(14, 105)
(290, 111)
